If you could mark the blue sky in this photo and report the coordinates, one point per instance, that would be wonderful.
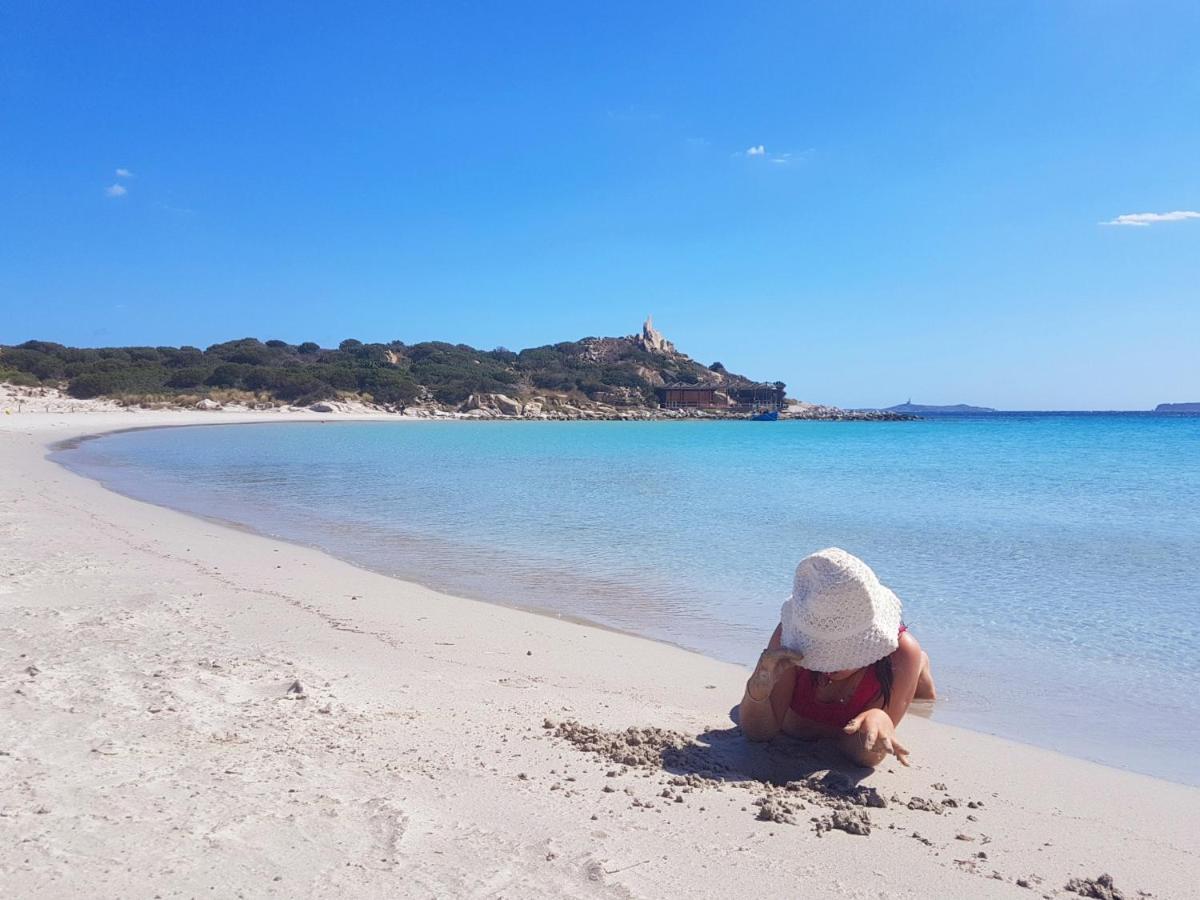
(923, 218)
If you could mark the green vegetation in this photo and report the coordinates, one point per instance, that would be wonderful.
(394, 374)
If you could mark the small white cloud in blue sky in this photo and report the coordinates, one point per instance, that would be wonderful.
(1142, 220)
(124, 173)
(760, 151)
(116, 190)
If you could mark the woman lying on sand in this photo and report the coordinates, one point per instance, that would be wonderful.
(839, 665)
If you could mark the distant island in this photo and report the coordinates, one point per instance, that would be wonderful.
(637, 376)
(1178, 408)
(918, 409)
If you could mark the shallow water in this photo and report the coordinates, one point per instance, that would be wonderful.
(1046, 562)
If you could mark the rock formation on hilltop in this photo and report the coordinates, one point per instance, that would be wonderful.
(652, 340)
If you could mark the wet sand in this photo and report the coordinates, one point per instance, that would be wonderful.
(192, 710)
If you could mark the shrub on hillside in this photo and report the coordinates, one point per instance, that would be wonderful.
(21, 379)
(40, 365)
(178, 358)
(389, 386)
(227, 375)
(128, 381)
(292, 385)
(258, 378)
(188, 377)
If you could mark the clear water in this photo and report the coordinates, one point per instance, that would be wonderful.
(1046, 562)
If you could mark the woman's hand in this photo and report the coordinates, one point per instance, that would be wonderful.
(878, 734)
(770, 665)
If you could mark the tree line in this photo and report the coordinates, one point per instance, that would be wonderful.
(394, 374)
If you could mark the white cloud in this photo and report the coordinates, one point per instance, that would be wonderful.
(124, 173)
(759, 151)
(1142, 220)
(116, 190)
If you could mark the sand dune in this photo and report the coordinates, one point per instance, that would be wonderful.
(194, 711)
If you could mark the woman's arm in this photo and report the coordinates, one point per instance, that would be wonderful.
(871, 735)
(769, 691)
(906, 669)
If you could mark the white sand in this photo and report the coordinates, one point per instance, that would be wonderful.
(155, 752)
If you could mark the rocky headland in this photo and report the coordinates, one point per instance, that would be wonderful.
(922, 409)
(635, 377)
(1178, 408)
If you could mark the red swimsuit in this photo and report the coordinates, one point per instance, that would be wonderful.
(806, 705)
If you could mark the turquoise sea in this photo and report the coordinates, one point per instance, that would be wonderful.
(1047, 562)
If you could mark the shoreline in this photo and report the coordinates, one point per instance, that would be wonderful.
(417, 582)
(471, 410)
(1012, 726)
(473, 673)
(245, 528)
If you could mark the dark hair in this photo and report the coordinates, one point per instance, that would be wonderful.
(883, 671)
(883, 674)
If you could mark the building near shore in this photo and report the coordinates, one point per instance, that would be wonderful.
(690, 396)
(680, 395)
(759, 396)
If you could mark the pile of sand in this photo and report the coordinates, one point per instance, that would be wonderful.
(692, 768)
(1101, 888)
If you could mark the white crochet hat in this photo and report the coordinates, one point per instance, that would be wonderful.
(839, 616)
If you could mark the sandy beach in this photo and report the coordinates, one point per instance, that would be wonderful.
(191, 710)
